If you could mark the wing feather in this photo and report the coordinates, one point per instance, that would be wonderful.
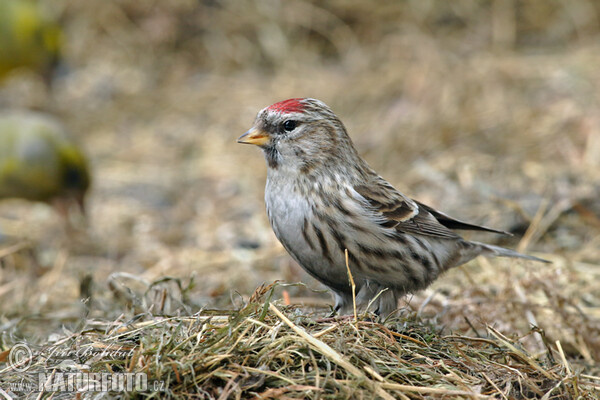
(387, 200)
(453, 223)
(409, 216)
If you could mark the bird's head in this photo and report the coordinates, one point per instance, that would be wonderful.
(300, 132)
(74, 181)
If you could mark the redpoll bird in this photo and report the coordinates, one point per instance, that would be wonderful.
(323, 199)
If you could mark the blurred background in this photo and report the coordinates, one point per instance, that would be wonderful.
(486, 110)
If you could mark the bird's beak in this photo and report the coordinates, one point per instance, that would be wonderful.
(254, 136)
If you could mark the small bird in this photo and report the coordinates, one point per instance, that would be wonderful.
(38, 161)
(322, 199)
(29, 38)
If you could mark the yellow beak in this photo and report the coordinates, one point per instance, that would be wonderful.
(254, 136)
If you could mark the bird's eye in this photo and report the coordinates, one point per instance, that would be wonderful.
(289, 125)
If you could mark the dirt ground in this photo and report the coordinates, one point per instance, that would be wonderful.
(488, 111)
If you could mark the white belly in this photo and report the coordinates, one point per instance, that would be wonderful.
(287, 211)
(292, 219)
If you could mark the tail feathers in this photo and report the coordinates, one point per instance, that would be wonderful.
(490, 249)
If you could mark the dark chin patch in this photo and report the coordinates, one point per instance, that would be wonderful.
(272, 156)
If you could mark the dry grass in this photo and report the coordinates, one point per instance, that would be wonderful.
(262, 351)
(488, 111)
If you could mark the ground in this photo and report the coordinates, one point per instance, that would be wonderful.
(487, 111)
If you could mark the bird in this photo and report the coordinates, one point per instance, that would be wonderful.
(30, 38)
(324, 200)
(39, 162)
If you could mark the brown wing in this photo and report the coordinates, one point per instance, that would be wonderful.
(400, 212)
(388, 201)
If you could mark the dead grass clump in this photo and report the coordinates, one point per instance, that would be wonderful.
(268, 351)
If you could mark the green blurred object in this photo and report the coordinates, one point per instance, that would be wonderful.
(38, 162)
(29, 38)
